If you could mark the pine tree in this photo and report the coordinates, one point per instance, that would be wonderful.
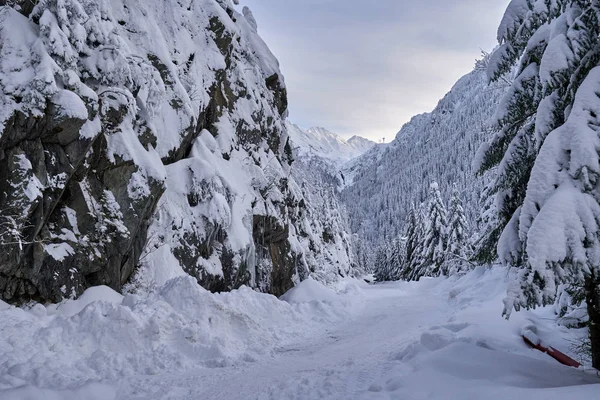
(396, 259)
(457, 235)
(433, 249)
(545, 150)
(413, 236)
(382, 272)
(488, 231)
(389, 261)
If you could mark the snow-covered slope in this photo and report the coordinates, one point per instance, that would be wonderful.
(144, 136)
(382, 184)
(360, 143)
(326, 144)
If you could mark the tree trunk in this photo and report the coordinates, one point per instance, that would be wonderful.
(592, 298)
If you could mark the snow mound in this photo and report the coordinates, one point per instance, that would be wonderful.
(180, 326)
(69, 308)
(92, 391)
(478, 354)
(309, 290)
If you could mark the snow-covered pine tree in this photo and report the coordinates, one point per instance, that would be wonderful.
(396, 260)
(489, 229)
(512, 149)
(435, 237)
(365, 256)
(458, 240)
(382, 270)
(390, 259)
(412, 240)
(546, 152)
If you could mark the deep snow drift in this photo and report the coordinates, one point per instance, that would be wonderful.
(181, 326)
(433, 339)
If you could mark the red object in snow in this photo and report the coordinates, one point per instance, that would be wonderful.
(551, 351)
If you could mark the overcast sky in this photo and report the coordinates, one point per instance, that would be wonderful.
(366, 67)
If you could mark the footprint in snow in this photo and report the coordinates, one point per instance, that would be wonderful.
(456, 327)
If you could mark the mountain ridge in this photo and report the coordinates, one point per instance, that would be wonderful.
(380, 186)
(319, 141)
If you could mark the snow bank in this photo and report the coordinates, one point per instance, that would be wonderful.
(345, 298)
(462, 370)
(180, 326)
(69, 308)
(93, 391)
(309, 290)
(478, 354)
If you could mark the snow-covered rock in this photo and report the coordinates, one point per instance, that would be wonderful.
(143, 136)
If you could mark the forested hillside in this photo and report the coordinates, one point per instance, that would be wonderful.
(383, 185)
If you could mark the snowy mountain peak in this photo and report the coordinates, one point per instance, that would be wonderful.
(361, 143)
(319, 130)
(321, 142)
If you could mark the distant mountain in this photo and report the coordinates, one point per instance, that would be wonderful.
(360, 143)
(325, 144)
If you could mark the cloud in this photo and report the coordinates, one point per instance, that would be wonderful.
(366, 69)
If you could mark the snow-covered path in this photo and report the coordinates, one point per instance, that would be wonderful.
(340, 362)
(410, 341)
(434, 339)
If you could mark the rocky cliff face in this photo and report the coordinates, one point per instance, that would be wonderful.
(138, 138)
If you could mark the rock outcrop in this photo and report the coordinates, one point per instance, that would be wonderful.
(138, 138)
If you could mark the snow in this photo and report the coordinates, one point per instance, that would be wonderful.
(556, 58)
(90, 129)
(70, 105)
(353, 341)
(102, 335)
(250, 18)
(320, 142)
(70, 308)
(138, 188)
(92, 391)
(513, 17)
(21, 66)
(33, 188)
(125, 146)
(59, 251)
(307, 291)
